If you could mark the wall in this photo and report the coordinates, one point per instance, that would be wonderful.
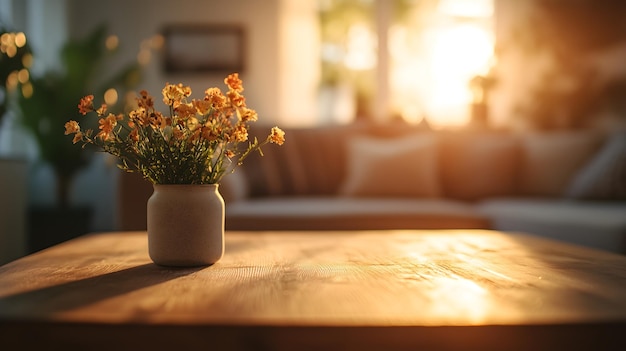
(277, 73)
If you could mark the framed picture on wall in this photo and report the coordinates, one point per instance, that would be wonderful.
(203, 48)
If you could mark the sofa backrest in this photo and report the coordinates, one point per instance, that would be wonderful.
(471, 165)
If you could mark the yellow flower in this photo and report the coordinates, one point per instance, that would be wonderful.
(185, 111)
(236, 99)
(173, 95)
(72, 127)
(139, 115)
(247, 115)
(240, 133)
(215, 97)
(192, 123)
(194, 143)
(77, 137)
(277, 136)
(234, 83)
(203, 107)
(102, 110)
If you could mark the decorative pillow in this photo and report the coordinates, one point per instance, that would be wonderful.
(404, 167)
(604, 177)
(479, 165)
(551, 159)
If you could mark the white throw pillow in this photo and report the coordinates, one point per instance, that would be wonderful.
(404, 167)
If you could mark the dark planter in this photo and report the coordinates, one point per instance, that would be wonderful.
(48, 226)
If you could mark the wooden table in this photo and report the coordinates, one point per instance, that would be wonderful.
(379, 290)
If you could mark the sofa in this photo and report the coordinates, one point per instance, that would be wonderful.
(567, 185)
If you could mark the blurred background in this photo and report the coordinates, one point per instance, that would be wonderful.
(443, 64)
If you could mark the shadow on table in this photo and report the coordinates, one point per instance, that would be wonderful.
(74, 294)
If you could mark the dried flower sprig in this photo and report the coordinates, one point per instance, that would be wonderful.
(197, 142)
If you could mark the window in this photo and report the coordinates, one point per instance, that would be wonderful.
(434, 49)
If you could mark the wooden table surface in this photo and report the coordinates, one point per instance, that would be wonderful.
(378, 290)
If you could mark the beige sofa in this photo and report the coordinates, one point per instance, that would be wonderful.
(565, 185)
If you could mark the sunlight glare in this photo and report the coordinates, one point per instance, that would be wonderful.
(466, 8)
(457, 54)
(361, 48)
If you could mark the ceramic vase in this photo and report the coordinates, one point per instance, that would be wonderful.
(185, 225)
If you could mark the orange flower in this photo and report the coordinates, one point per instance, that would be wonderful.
(203, 107)
(178, 134)
(72, 127)
(173, 95)
(102, 110)
(145, 100)
(234, 83)
(134, 135)
(277, 136)
(215, 97)
(86, 105)
(185, 111)
(240, 133)
(247, 115)
(160, 146)
(139, 115)
(106, 126)
(236, 99)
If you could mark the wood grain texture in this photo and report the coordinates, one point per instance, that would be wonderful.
(374, 289)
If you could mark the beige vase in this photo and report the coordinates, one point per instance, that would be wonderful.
(185, 225)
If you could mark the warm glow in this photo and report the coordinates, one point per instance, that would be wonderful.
(20, 39)
(466, 8)
(157, 42)
(27, 90)
(457, 54)
(27, 60)
(23, 76)
(431, 72)
(12, 81)
(360, 48)
(112, 42)
(110, 97)
(144, 56)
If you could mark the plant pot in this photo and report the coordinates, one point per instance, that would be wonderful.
(51, 225)
(185, 225)
(13, 202)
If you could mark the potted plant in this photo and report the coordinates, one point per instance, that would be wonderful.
(43, 112)
(184, 152)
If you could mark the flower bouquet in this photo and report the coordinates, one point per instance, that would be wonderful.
(196, 142)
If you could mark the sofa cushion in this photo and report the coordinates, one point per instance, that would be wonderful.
(604, 177)
(551, 159)
(345, 213)
(311, 162)
(479, 165)
(392, 167)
